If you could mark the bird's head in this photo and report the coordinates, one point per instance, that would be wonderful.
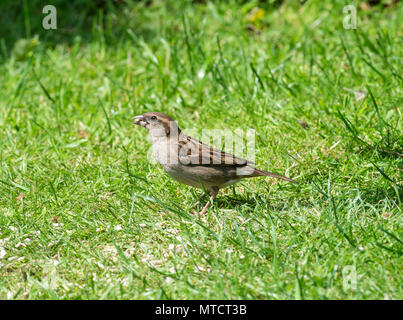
(158, 124)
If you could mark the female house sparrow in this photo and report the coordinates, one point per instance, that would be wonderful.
(192, 162)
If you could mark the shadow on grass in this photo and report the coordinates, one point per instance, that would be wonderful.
(235, 203)
(375, 196)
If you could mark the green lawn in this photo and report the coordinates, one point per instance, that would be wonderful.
(84, 214)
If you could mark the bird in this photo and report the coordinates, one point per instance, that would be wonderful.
(194, 163)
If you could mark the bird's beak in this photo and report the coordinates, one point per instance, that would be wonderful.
(140, 120)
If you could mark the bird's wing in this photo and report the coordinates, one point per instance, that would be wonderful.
(193, 152)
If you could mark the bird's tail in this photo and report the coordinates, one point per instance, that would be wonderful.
(258, 173)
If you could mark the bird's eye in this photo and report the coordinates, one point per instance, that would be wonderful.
(153, 118)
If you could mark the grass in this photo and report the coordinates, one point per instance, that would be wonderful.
(85, 215)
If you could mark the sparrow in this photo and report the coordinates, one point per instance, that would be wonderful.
(192, 162)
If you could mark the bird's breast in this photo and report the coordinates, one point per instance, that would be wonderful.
(179, 173)
(162, 151)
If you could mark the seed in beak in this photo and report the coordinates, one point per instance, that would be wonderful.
(140, 120)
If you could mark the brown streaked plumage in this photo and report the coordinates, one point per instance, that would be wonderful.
(192, 162)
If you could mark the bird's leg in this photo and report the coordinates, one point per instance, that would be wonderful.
(214, 192)
(202, 197)
(193, 211)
